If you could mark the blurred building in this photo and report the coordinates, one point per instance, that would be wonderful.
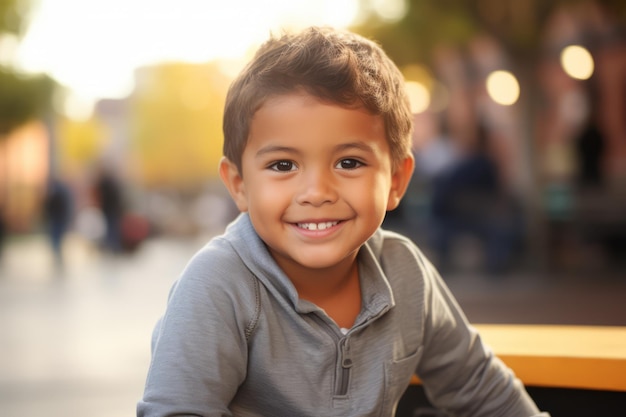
(24, 166)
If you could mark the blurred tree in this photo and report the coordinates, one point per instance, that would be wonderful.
(13, 16)
(21, 97)
(425, 24)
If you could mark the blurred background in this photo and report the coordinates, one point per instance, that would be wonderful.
(110, 134)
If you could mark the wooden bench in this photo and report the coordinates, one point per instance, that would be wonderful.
(573, 357)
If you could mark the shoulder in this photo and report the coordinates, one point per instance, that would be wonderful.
(402, 261)
(216, 283)
(219, 264)
(216, 268)
(390, 247)
(213, 260)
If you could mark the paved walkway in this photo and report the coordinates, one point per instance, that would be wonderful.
(76, 342)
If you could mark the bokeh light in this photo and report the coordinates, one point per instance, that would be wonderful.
(577, 62)
(503, 87)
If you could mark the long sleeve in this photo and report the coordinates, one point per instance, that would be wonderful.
(199, 354)
(460, 374)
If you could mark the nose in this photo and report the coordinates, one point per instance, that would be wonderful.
(317, 187)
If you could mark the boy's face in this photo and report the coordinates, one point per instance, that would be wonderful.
(316, 180)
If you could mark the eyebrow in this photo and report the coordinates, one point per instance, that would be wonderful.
(354, 145)
(275, 148)
(339, 148)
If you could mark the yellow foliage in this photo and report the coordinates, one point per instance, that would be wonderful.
(80, 143)
(177, 123)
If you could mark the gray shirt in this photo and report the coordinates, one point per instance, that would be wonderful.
(236, 340)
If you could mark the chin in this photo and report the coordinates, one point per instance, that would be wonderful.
(320, 261)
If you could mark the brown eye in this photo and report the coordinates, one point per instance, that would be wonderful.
(349, 163)
(283, 166)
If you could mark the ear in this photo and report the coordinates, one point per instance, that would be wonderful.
(232, 179)
(400, 181)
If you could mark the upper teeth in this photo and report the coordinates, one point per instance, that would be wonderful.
(317, 226)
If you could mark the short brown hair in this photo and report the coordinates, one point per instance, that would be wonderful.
(333, 65)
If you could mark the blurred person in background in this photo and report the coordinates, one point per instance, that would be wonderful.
(438, 154)
(435, 151)
(590, 144)
(470, 199)
(109, 198)
(58, 212)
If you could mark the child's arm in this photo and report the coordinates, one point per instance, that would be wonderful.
(459, 373)
(199, 355)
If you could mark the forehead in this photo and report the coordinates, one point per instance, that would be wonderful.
(298, 117)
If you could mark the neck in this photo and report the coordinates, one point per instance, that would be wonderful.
(314, 284)
(336, 290)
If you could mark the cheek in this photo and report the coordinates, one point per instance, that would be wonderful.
(267, 196)
(383, 195)
(371, 196)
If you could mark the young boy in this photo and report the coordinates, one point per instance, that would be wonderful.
(305, 307)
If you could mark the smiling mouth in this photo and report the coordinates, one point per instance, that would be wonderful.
(317, 226)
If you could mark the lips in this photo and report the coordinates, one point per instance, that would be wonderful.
(317, 226)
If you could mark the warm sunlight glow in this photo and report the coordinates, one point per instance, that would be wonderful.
(577, 62)
(8, 49)
(503, 87)
(77, 108)
(390, 10)
(419, 96)
(93, 47)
